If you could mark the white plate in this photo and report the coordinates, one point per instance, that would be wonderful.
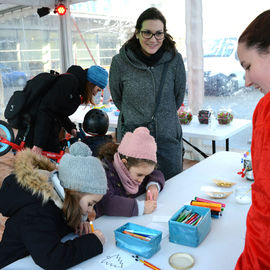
(181, 261)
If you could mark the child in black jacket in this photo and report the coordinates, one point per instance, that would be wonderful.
(43, 205)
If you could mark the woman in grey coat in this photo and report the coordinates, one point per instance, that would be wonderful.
(135, 78)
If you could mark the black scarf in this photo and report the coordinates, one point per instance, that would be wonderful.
(149, 60)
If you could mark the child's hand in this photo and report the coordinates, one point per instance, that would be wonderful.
(154, 193)
(100, 236)
(84, 228)
(149, 206)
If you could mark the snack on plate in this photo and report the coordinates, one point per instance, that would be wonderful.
(224, 118)
(184, 117)
(222, 183)
(218, 195)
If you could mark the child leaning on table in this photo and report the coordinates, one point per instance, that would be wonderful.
(43, 205)
(130, 169)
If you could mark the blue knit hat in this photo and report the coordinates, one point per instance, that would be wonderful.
(79, 170)
(98, 76)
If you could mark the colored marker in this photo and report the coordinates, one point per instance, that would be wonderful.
(190, 217)
(150, 195)
(197, 221)
(92, 226)
(141, 233)
(209, 201)
(183, 215)
(148, 264)
(137, 236)
(212, 206)
(186, 218)
(195, 217)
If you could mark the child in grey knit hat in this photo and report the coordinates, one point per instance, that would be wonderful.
(44, 203)
(80, 172)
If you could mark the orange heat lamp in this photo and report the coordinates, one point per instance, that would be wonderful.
(61, 9)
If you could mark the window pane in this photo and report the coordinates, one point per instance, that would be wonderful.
(28, 45)
(224, 78)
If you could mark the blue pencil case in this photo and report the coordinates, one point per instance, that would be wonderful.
(137, 246)
(186, 234)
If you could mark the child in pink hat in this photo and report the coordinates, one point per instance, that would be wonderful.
(130, 170)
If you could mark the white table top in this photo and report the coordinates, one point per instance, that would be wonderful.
(214, 132)
(78, 116)
(219, 250)
(194, 129)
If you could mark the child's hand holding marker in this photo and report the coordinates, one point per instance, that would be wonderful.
(149, 195)
(84, 228)
(98, 233)
(149, 206)
(152, 193)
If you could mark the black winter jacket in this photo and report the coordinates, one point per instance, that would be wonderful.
(61, 101)
(35, 224)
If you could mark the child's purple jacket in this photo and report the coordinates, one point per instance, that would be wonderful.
(116, 202)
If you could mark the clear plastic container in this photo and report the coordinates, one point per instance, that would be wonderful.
(224, 116)
(243, 194)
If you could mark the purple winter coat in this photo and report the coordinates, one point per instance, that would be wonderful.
(116, 202)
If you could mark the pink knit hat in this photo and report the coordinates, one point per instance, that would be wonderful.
(139, 144)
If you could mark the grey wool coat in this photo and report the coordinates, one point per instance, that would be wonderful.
(134, 88)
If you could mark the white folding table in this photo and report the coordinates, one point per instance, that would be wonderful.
(219, 250)
(194, 129)
(215, 132)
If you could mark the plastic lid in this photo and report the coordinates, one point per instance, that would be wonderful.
(181, 261)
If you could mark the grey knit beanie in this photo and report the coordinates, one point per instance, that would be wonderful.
(80, 171)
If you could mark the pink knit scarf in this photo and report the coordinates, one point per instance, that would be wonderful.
(131, 186)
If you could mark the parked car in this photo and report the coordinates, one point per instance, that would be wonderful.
(223, 74)
(12, 77)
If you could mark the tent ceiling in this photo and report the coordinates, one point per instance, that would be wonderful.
(11, 8)
(7, 6)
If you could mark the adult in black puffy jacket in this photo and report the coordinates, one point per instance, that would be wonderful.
(76, 86)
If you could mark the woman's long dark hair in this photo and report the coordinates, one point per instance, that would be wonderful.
(151, 14)
(257, 33)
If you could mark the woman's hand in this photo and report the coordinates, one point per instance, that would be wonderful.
(37, 150)
(100, 236)
(152, 193)
(149, 206)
